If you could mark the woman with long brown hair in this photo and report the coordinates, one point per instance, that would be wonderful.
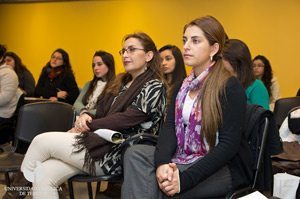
(201, 145)
(104, 72)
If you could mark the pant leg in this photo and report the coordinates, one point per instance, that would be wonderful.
(140, 174)
(48, 186)
(58, 145)
(50, 160)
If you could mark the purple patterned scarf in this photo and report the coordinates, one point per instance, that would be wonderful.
(189, 145)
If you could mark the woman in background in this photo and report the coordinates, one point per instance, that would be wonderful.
(237, 59)
(104, 72)
(57, 81)
(26, 80)
(263, 72)
(173, 67)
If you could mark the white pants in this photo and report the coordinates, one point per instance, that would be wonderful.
(50, 161)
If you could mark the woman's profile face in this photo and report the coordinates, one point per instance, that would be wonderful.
(196, 48)
(100, 68)
(134, 57)
(259, 68)
(9, 61)
(167, 61)
(56, 60)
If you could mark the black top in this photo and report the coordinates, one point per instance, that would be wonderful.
(65, 82)
(232, 148)
(26, 82)
(298, 94)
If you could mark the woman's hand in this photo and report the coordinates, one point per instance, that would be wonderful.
(81, 123)
(171, 187)
(164, 172)
(62, 94)
(53, 99)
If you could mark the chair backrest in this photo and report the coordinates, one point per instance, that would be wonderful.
(39, 117)
(283, 106)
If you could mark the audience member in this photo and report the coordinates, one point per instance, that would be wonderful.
(237, 59)
(26, 80)
(9, 96)
(173, 67)
(57, 81)
(104, 72)
(188, 163)
(134, 103)
(263, 72)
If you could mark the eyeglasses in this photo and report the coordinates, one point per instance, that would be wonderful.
(57, 58)
(258, 65)
(129, 50)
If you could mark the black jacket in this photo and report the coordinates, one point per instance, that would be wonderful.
(65, 81)
(255, 115)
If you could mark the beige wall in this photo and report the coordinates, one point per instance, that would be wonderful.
(35, 30)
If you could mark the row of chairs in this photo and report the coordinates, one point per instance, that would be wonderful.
(40, 117)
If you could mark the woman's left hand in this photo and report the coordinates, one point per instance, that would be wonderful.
(170, 188)
(62, 94)
(81, 123)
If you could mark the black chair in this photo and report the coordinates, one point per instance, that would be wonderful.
(263, 138)
(34, 119)
(283, 106)
(247, 190)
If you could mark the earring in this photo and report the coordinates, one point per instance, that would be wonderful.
(211, 58)
(145, 68)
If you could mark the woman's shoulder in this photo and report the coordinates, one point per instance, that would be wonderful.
(154, 83)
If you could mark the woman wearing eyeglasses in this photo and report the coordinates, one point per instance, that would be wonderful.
(134, 103)
(57, 81)
(263, 72)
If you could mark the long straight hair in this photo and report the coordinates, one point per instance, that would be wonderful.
(109, 61)
(179, 72)
(213, 89)
(238, 55)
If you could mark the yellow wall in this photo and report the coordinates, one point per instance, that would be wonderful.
(35, 30)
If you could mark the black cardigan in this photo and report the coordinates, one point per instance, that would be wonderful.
(65, 81)
(232, 148)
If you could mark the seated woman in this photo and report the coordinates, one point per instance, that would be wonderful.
(201, 151)
(263, 72)
(104, 71)
(237, 59)
(134, 103)
(26, 80)
(57, 81)
(173, 67)
(9, 97)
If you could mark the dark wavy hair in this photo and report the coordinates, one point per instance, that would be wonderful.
(66, 62)
(268, 73)
(19, 66)
(237, 53)
(179, 72)
(109, 61)
(2, 51)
